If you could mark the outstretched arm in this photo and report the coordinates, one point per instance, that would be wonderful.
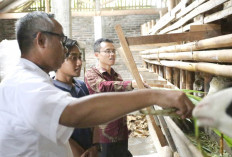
(104, 107)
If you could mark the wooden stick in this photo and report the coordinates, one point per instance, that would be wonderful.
(128, 55)
(189, 80)
(211, 43)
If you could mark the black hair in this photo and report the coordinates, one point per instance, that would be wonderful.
(70, 43)
(97, 43)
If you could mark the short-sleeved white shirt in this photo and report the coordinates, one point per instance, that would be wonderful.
(30, 108)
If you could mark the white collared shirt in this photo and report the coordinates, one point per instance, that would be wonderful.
(30, 108)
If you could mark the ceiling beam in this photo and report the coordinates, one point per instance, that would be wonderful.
(12, 6)
(120, 12)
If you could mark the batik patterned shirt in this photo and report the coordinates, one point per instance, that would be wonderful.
(98, 80)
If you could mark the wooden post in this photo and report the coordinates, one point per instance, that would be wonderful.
(176, 77)
(182, 79)
(161, 71)
(47, 6)
(128, 56)
(207, 79)
(169, 74)
(189, 80)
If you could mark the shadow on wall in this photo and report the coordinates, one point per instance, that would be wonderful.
(9, 56)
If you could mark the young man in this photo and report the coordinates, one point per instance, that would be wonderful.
(81, 139)
(36, 118)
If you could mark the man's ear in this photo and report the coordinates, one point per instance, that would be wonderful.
(40, 39)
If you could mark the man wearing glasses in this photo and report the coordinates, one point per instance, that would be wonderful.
(36, 118)
(113, 137)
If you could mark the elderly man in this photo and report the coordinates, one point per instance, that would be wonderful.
(36, 118)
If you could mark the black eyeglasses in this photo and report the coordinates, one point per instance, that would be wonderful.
(109, 51)
(63, 37)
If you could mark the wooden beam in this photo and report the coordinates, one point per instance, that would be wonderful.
(107, 2)
(12, 6)
(11, 15)
(218, 15)
(205, 27)
(5, 3)
(211, 43)
(189, 8)
(168, 17)
(151, 46)
(166, 38)
(199, 10)
(119, 12)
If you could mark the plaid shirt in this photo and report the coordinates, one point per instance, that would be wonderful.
(98, 80)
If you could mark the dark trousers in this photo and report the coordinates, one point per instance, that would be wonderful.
(116, 149)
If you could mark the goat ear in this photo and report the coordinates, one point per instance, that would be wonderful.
(229, 109)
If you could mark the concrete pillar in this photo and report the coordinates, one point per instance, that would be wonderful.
(62, 11)
(98, 22)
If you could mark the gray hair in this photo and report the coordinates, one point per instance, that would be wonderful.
(29, 25)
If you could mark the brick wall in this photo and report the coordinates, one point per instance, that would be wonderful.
(83, 30)
(7, 29)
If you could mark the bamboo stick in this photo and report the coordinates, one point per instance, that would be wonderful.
(210, 43)
(211, 68)
(206, 56)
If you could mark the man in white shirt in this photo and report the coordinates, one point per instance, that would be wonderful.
(35, 115)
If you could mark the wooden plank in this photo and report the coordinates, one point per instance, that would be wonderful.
(152, 11)
(205, 27)
(211, 43)
(151, 46)
(218, 15)
(189, 8)
(199, 10)
(11, 15)
(166, 38)
(168, 17)
(128, 55)
(12, 6)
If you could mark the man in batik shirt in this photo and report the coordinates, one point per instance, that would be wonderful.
(113, 136)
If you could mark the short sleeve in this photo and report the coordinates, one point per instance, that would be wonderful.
(42, 105)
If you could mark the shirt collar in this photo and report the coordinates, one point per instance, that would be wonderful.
(62, 85)
(32, 66)
(102, 70)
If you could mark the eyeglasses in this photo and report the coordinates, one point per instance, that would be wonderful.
(109, 51)
(63, 37)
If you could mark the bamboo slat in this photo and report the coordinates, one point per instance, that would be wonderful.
(199, 10)
(223, 56)
(210, 43)
(211, 68)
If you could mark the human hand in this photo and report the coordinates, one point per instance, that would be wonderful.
(176, 99)
(91, 152)
(216, 111)
(134, 84)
